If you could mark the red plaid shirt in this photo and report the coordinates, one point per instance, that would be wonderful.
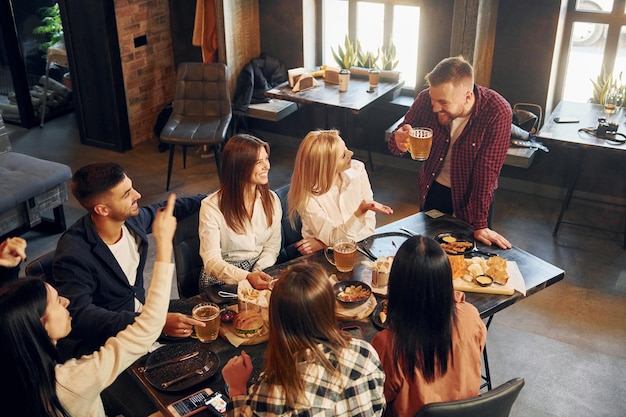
(477, 155)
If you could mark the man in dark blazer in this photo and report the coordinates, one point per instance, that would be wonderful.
(99, 261)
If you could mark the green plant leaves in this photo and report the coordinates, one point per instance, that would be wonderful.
(389, 61)
(603, 84)
(51, 26)
(345, 58)
(351, 54)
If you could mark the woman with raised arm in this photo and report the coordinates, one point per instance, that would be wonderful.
(35, 317)
(331, 192)
(311, 367)
(240, 230)
(432, 348)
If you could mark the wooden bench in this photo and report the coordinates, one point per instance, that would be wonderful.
(273, 111)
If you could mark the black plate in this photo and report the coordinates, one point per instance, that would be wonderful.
(375, 315)
(342, 285)
(383, 244)
(441, 238)
(165, 373)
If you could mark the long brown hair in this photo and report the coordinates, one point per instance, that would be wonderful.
(314, 170)
(421, 310)
(239, 157)
(302, 315)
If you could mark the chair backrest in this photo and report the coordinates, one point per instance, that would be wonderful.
(290, 234)
(41, 268)
(202, 90)
(494, 403)
(187, 256)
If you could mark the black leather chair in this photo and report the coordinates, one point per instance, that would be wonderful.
(494, 403)
(41, 268)
(290, 234)
(187, 256)
(201, 111)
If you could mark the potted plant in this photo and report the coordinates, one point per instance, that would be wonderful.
(345, 57)
(604, 83)
(389, 62)
(368, 59)
(51, 27)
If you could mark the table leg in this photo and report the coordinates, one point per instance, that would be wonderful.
(487, 376)
(624, 245)
(45, 94)
(570, 189)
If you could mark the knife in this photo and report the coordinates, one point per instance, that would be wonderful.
(173, 360)
(366, 252)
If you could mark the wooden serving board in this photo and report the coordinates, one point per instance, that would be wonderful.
(462, 285)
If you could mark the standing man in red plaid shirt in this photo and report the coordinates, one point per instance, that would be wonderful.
(471, 134)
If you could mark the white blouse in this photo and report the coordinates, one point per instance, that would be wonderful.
(330, 216)
(219, 243)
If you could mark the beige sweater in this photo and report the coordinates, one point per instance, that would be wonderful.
(80, 381)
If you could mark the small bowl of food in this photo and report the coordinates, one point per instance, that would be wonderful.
(352, 293)
(483, 280)
(227, 316)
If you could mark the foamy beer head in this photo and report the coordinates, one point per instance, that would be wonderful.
(420, 142)
(208, 313)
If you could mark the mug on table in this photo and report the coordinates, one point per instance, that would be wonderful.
(343, 254)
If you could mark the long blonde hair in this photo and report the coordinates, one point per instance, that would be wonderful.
(302, 316)
(314, 170)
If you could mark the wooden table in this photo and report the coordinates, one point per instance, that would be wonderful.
(356, 101)
(569, 135)
(537, 275)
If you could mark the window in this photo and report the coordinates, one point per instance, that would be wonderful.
(374, 23)
(597, 41)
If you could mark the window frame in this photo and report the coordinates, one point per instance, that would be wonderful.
(614, 20)
(352, 27)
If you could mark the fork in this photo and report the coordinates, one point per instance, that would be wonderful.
(199, 371)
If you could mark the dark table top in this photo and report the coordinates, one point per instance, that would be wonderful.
(537, 275)
(587, 113)
(355, 99)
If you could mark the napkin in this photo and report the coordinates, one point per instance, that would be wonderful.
(515, 277)
(305, 81)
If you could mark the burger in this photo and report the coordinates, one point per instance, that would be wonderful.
(248, 323)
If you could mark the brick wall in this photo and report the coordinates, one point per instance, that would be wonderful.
(149, 71)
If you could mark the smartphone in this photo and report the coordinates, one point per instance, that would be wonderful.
(205, 399)
(354, 331)
(217, 404)
(566, 120)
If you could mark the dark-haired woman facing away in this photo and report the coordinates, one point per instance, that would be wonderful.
(311, 367)
(35, 317)
(432, 348)
(239, 230)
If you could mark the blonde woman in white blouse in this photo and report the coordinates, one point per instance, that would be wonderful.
(240, 229)
(331, 193)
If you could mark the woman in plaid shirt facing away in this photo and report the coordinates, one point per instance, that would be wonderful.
(311, 367)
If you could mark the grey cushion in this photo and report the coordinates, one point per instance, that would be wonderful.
(23, 177)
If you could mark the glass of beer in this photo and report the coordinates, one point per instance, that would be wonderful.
(208, 313)
(420, 142)
(612, 100)
(344, 254)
